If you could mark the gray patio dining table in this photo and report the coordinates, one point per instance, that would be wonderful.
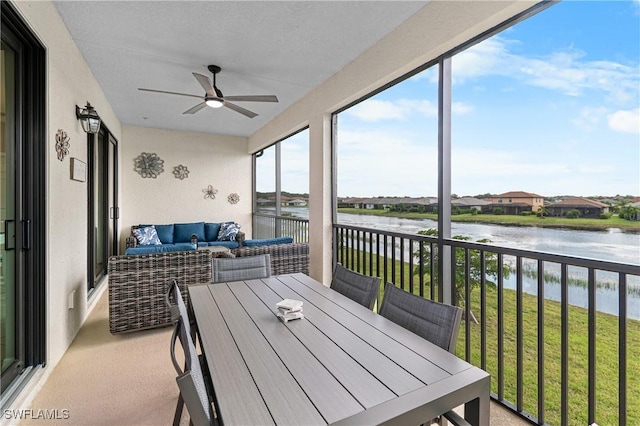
(341, 364)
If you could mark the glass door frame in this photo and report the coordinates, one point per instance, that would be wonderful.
(31, 196)
(106, 174)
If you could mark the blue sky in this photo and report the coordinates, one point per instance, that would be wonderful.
(550, 106)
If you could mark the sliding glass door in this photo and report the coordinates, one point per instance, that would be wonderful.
(10, 279)
(22, 201)
(103, 204)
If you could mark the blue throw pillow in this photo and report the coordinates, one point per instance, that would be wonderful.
(183, 232)
(165, 233)
(228, 231)
(146, 235)
(211, 231)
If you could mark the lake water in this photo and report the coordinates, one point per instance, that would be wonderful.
(611, 245)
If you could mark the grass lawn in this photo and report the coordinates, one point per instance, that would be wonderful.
(514, 220)
(606, 351)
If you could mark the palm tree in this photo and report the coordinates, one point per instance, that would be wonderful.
(542, 212)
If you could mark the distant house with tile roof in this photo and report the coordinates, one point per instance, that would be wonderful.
(515, 202)
(586, 207)
(469, 203)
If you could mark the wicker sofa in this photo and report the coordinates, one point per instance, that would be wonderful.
(138, 283)
(285, 258)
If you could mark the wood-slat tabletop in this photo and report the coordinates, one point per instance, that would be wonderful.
(341, 364)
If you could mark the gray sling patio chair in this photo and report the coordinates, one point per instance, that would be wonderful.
(195, 392)
(240, 268)
(357, 287)
(433, 321)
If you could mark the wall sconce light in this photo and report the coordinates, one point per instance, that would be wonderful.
(89, 118)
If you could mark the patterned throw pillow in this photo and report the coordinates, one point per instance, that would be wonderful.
(146, 236)
(228, 231)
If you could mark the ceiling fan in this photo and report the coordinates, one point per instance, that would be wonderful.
(214, 98)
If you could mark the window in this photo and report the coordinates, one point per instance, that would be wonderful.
(282, 189)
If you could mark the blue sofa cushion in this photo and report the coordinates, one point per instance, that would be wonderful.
(211, 231)
(228, 231)
(228, 244)
(268, 241)
(161, 248)
(183, 231)
(146, 235)
(165, 233)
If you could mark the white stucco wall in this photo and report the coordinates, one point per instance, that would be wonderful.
(69, 83)
(220, 161)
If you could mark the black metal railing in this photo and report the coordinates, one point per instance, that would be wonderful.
(538, 325)
(271, 226)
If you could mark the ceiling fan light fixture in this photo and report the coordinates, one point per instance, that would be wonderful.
(214, 102)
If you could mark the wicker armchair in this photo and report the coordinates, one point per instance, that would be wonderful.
(138, 284)
(285, 258)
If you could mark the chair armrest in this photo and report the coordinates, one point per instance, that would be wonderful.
(131, 241)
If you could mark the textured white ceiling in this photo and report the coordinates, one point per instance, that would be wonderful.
(283, 48)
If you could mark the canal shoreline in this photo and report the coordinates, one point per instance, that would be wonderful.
(591, 225)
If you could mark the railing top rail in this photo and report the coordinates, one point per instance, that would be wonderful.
(537, 255)
(273, 216)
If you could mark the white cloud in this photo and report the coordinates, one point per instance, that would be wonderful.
(461, 108)
(377, 162)
(377, 110)
(564, 70)
(589, 118)
(372, 110)
(625, 121)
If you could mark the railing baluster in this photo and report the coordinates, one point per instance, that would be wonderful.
(357, 253)
(564, 345)
(432, 267)
(622, 349)
(402, 283)
(519, 336)
(421, 266)
(467, 303)
(483, 311)
(378, 255)
(411, 281)
(592, 346)
(385, 245)
(541, 341)
(370, 253)
(393, 260)
(500, 328)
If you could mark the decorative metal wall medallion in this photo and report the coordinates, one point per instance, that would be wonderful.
(62, 144)
(181, 172)
(210, 192)
(233, 198)
(148, 165)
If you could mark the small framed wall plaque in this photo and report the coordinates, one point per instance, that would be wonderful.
(78, 170)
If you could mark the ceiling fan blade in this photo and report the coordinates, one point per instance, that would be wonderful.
(249, 98)
(205, 83)
(169, 93)
(241, 110)
(195, 108)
